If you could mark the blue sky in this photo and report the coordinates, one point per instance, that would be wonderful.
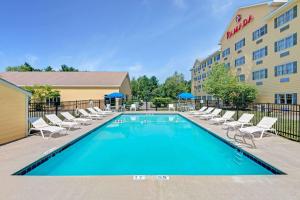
(152, 37)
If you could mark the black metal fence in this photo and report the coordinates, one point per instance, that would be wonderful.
(38, 109)
(288, 124)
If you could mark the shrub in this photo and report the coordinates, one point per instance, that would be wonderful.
(161, 101)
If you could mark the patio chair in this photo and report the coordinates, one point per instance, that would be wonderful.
(102, 111)
(198, 111)
(108, 107)
(215, 113)
(58, 122)
(171, 107)
(205, 112)
(226, 117)
(69, 117)
(265, 124)
(132, 107)
(244, 120)
(85, 114)
(94, 112)
(41, 126)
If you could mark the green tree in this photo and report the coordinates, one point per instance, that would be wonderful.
(225, 86)
(49, 69)
(66, 68)
(26, 67)
(42, 92)
(144, 87)
(174, 85)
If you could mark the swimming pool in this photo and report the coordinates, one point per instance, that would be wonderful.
(149, 145)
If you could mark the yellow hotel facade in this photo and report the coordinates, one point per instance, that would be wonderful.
(260, 46)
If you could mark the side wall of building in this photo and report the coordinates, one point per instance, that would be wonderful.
(13, 118)
(84, 93)
(125, 87)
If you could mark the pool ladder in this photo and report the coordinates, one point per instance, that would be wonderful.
(238, 157)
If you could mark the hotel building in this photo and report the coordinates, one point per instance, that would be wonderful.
(260, 46)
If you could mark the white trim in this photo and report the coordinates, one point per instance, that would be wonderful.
(13, 86)
(81, 86)
(273, 13)
(26, 116)
(252, 5)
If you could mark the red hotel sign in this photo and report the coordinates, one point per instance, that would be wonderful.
(242, 24)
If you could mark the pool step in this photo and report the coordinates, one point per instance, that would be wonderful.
(238, 157)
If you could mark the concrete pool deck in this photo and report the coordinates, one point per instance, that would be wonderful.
(277, 151)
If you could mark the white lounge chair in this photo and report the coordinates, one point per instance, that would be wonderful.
(69, 117)
(85, 114)
(205, 112)
(265, 124)
(215, 113)
(41, 126)
(133, 107)
(108, 108)
(244, 120)
(226, 117)
(94, 112)
(198, 111)
(58, 122)
(171, 107)
(102, 111)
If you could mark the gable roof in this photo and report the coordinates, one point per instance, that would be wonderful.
(278, 10)
(66, 79)
(270, 3)
(11, 85)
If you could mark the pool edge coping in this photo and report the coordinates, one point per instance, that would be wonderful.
(23, 171)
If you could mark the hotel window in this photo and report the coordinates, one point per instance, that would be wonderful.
(240, 61)
(260, 74)
(260, 32)
(209, 62)
(239, 44)
(260, 53)
(227, 65)
(289, 68)
(290, 98)
(285, 17)
(226, 52)
(217, 58)
(286, 43)
(242, 78)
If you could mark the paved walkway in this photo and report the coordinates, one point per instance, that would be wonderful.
(277, 151)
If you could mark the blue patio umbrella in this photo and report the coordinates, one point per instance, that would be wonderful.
(185, 95)
(116, 95)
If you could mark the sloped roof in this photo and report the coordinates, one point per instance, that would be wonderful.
(65, 79)
(9, 84)
(271, 2)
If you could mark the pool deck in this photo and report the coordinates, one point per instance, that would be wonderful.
(277, 151)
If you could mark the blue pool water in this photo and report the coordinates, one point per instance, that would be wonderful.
(149, 145)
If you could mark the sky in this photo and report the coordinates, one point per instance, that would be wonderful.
(143, 37)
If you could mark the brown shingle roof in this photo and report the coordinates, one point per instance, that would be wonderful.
(113, 79)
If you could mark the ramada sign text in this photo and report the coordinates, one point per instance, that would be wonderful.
(242, 23)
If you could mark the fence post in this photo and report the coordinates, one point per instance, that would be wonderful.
(99, 103)
(268, 109)
(56, 107)
(237, 112)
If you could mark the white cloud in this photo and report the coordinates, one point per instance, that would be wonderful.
(180, 4)
(31, 59)
(220, 7)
